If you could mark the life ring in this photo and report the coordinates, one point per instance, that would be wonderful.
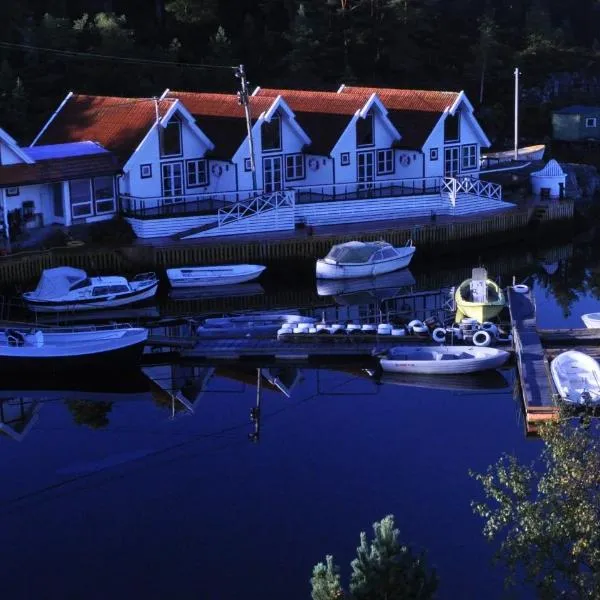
(420, 329)
(482, 338)
(439, 335)
(415, 323)
(216, 170)
(405, 160)
(313, 164)
(521, 288)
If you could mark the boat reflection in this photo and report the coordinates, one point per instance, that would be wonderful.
(469, 382)
(367, 290)
(217, 291)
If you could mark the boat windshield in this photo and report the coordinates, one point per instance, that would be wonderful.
(355, 252)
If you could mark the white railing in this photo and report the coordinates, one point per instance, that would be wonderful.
(255, 206)
(471, 186)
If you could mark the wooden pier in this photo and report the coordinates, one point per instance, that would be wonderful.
(534, 350)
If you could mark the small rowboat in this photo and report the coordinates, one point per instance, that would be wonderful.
(217, 275)
(576, 377)
(442, 360)
(591, 320)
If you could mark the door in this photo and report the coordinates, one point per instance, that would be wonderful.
(272, 174)
(366, 170)
(172, 182)
(451, 161)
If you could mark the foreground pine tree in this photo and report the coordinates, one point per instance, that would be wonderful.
(382, 570)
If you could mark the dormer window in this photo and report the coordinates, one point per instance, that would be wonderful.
(364, 131)
(452, 128)
(271, 134)
(170, 138)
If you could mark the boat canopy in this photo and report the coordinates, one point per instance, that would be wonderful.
(355, 252)
(58, 281)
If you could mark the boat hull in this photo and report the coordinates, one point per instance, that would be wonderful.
(330, 270)
(212, 276)
(427, 360)
(481, 311)
(591, 320)
(85, 304)
(577, 378)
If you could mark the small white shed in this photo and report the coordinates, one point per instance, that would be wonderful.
(550, 181)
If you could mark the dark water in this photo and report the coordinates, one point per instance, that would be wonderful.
(130, 495)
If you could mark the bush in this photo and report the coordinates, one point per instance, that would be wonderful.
(114, 232)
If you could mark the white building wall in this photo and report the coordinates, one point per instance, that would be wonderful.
(8, 156)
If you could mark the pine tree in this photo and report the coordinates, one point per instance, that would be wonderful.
(382, 570)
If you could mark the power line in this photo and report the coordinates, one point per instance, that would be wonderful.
(125, 59)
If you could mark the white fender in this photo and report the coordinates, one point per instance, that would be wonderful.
(415, 323)
(439, 335)
(419, 329)
(482, 338)
(521, 288)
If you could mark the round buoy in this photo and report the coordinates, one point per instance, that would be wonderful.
(384, 329)
(321, 326)
(521, 288)
(369, 327)
(439, 335)
(398, 331)
(336, 327)
(420, 329)
(312, 330)
(482, 338)
(352, 327)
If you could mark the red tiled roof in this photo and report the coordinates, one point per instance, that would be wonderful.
(316, 102)
(221, 117)
(414, 100)
(118, 124)
(58, 169)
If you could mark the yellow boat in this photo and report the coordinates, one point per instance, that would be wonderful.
(479, 298)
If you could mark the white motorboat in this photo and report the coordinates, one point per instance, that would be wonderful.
(442, 360)
(60, 349)
(65, 289)
(577, 377)
(215, 275)
(591, 320)
(363, 259)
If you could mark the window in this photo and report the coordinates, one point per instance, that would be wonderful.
(590, 122)
(104, 195)
(146, 171)
(197, 172)
(81, 284)
(452, 128)
(247, 164)
(81, 198)
(57, 200)
(433, 154)
(364, 131)
(385, 162)
(172, 182)
(388, 253)
(294, 166)
(170, 138)
(271, 134)
(469, 157)
(345, 159)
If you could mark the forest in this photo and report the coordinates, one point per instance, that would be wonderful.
(49, 47)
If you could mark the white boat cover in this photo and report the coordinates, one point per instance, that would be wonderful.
(57, 282)
(355, 252)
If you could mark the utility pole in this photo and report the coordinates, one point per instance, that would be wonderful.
(244, 100)
(517, 73)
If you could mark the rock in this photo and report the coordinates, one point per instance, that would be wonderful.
(583, 181)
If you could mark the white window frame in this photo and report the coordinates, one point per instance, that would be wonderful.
(385, 162)
(167, 172)
(89, 202)
(590, 122)
(468, 157)
(294, 167)
(193, 177)
(97, 201)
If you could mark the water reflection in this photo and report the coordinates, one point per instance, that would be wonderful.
(220, 291)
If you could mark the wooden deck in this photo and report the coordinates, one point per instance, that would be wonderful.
(532, 363)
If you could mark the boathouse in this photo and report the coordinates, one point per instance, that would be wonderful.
(188, 168)
(55, 184)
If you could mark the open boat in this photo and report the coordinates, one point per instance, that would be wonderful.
(591, 320)
(61, 349)
(442, 360)
(576, 377)
(65, 289)
(479, 298)
(363, 259)
(216, 275)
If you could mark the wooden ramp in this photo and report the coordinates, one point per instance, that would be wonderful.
(532, 364)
